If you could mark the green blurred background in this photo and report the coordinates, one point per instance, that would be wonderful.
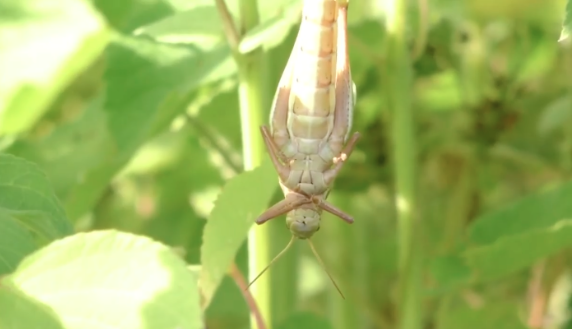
(141, 133)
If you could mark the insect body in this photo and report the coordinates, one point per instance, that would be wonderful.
(311, 118)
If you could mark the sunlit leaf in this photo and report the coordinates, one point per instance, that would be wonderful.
(18, 310)
(270, 32)
(242, 199)
(149, 82)
(69, 35)
(567, 25)
(109, 279)
(200, 25)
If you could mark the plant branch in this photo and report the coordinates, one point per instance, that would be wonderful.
(230, 31)
(398, 87)
(243, 286)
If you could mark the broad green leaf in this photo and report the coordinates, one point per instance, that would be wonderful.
(69, 35)
(567, 25)
(16, 242)
(242, 199)
(80, 158)
(109, 279)
(536, 211)
(305, 320)
(30, 213)
(22, 232)
(515, 252)
(149, 83)
(271, 32)
(20, 311)
(494, 315)
(200, 25)
(127, 15)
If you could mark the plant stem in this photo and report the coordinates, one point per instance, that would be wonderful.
(243, 286)
(252, 95)
(398, 86)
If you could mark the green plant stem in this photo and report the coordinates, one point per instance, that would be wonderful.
(398, 87)
(252, 95)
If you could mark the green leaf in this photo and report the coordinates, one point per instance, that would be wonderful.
(149, 83)
(536, 211)
(242, 199)
(271, 32)
(69, 35)
(109, 279)
(516, 252)
(449, 272)
(200, 24)
(556, 115)
(305, 320)
(567, 26)
(494, 315)
(30, 213)
(439, 92)
(20, 311)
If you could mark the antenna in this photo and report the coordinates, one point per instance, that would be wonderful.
(273, 261)
(324, 267)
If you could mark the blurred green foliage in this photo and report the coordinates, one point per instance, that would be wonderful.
(124, 115)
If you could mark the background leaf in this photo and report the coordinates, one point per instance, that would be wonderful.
(515, 252)
(242, 200)
(304, 320)
(18, 310)
(567, 25)
(493, 315)
(539, 210)
(68, 34)
(156, 89)
(146, 285)
(30, 213)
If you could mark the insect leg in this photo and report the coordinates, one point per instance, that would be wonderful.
(291, 202)
(325, 205)
(283, 170)
(331, 174)
(344, 86)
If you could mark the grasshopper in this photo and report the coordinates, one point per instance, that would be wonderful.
(310, 122)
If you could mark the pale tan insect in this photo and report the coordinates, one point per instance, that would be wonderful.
(310, 121)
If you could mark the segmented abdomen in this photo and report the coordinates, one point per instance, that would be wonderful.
(312, 97)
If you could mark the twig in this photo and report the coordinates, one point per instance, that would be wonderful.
(537, 296)
(228, 25)
(243, 286)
